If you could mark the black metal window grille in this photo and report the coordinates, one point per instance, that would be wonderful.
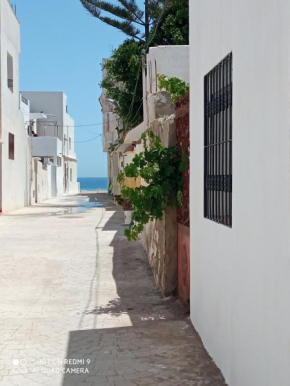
(218, 143)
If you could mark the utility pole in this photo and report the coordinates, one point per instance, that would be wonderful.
(147, 27)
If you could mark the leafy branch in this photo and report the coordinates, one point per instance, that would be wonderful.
(161, 169)
(175, 86)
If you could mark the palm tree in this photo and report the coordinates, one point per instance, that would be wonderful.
(129, 18)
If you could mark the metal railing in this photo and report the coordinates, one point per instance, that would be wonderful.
(218, 143)
(24, 100)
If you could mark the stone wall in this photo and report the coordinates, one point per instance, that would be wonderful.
(159, 237)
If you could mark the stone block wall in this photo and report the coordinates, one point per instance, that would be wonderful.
(159, 237)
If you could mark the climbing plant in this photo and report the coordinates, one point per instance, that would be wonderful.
(161, 169)
(175, 86)
(123, 79)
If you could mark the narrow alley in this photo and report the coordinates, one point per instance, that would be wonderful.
(79, 306)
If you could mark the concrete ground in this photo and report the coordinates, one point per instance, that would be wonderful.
(78, 304)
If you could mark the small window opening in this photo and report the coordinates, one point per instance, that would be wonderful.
(10, 72)
(11, 146)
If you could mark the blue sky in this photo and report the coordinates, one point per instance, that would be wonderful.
(61, 50)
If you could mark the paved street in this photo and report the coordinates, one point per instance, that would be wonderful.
(78, 304)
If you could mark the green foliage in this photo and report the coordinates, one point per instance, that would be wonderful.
(127, 16)
(170, 16)
(175, 86)
(174, 26)
(122, 70)
(161, 170)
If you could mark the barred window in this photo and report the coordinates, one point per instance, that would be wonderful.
(218, 143)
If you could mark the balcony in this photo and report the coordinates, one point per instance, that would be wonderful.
(46, 147)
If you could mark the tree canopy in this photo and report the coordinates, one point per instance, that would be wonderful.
(174, 25)
(128, 17)
(123, 80)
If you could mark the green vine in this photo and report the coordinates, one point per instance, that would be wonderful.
(175, 86)
(161, 169)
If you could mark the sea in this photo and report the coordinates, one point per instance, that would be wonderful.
(93, 183)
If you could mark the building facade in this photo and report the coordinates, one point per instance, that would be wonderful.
(111, 124)
(14, 146)
(240, 260)
(52, 138)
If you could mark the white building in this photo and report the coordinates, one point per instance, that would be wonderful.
(14, 148)
(53, 140)
(240, 260)
(171, 61)
(110, 137)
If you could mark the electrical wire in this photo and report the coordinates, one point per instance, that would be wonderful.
(89, 140)
(146, 48)
(48, 123)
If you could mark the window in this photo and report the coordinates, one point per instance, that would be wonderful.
(69, 142)
(218, 143)
(11, 146)
(10, 72)
(70, 175)
(59, 161)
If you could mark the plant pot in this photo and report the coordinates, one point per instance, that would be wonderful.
(128, 217)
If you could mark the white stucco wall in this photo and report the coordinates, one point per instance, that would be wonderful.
(110, 119)
(58, 123)
(70, 155)
(41, 188)
(172, 61)
(50, 103)
(240, 286)
(14, 174)
(46, 147)
(73, 186)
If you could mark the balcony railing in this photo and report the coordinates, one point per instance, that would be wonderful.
(10, 84)
(24, 100)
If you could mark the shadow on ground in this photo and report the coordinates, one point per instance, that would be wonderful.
(160, 347)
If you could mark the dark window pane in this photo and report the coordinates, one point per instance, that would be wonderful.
(11, 146)
(218, 143)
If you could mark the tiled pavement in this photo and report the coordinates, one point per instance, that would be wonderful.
(78, 304)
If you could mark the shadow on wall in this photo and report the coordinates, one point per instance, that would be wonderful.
(157, 344)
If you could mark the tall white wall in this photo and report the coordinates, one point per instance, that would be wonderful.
(41, 186)
(73, 186)
(70, 155)
(58, 123)
(15, 178)
(240, 287)
(51, 103)
(171, 61)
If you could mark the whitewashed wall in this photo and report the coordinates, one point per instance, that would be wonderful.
(166, 60)
(58, 123)
(41, 188)
(73, 186)
(240, 287)
(69, 152)
(14, 174)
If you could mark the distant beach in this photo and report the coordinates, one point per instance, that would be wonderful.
(90, 184)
